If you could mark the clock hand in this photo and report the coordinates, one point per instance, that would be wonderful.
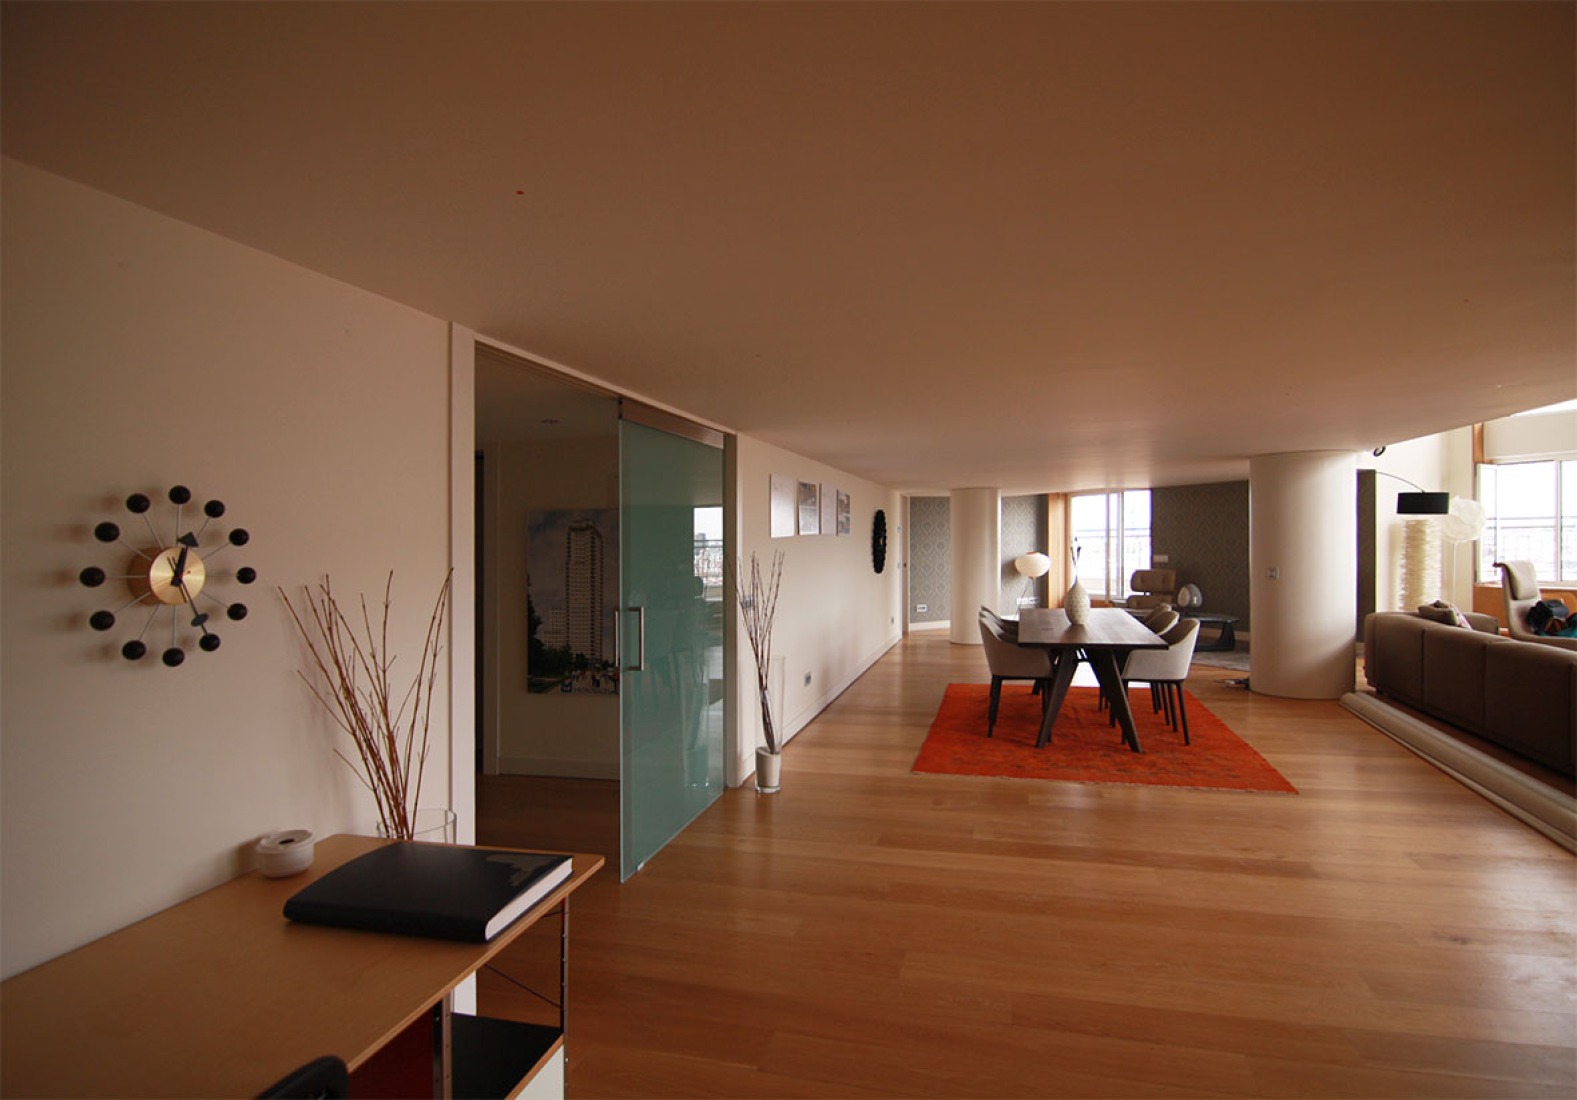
(199, 618)
(187, 542)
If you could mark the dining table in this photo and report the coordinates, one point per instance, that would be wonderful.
(1104, 639)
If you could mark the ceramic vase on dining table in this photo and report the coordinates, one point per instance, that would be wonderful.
(1077, 603)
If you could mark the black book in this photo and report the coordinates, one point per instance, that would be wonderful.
(437, 890)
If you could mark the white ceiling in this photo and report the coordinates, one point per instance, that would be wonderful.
(1032, 246)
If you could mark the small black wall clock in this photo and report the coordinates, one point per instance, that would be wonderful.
(170, 570)
(879, 541)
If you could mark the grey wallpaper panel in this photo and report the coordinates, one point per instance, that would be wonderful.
(1203, 529)
(930, 583)
(1023, 530)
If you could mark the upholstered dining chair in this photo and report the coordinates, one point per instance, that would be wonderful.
(1162, 619)
(1165, 670)
(1007, 626)
(1007, 660)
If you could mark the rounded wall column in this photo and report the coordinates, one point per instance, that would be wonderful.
(1303, 566)
(974, 559)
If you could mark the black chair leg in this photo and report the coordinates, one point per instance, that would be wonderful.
(1182, 709)
(996, 698)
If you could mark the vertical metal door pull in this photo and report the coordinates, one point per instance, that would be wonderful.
(640, 640)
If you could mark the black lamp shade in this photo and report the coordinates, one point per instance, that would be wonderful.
(1423, 504)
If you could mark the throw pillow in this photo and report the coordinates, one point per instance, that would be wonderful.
(1442, 612)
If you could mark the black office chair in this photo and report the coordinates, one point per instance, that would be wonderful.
(323, 1078)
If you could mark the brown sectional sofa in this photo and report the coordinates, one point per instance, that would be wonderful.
(1519, 695)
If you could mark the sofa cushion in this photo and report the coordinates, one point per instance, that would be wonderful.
(1393, 655)
(1454, 670)
(1530, 702)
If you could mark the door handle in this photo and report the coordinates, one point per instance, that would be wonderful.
(640, 640)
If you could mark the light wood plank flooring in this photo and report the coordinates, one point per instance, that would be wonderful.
(868, 932)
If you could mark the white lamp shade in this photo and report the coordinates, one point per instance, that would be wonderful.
(1033, 564)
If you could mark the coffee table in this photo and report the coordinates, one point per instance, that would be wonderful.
(1105, 639)
(1225, 640)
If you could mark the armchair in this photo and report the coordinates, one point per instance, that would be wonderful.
(1152, 587)
(1521, 587)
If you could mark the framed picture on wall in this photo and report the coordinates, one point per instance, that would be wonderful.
(809, 508)
(829, 510)
(843, 512)
(782, 507)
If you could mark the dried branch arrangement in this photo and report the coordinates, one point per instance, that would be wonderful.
(758, 603)
(354, 680)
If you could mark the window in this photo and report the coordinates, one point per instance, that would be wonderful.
(1530, 514)
(1112, 532)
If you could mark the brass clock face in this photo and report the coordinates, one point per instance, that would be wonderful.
(171, 568)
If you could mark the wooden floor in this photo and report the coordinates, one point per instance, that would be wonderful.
(868, 932)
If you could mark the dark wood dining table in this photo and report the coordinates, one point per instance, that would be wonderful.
(1105, 639)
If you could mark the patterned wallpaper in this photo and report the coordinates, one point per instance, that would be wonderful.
(1204, 529)
(1023, 530)
(929, 550)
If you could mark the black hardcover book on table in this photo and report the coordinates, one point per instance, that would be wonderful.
(436, 890)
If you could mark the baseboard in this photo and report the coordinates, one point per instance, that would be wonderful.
(797, 722)
(1551, 812)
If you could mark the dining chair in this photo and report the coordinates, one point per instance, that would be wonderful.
(1165, 670)
(1006, 626)
(1162, 619)
(1007, 660)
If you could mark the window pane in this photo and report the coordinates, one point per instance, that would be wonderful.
(1087, 517)
(1488, 541)
(1136, 536)
(1569, 522)
(1524, 515)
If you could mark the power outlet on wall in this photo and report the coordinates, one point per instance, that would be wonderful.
(921, 609)
(807, 679)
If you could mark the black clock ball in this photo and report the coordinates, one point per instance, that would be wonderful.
(180, 494)
(137, 504)
(133, 650)
(173, 656)
(106, 532)
(101, 620)
(92, 576)
(214, 509)
(246, 574)
(236, 612)
(240, 537)
(208, 643)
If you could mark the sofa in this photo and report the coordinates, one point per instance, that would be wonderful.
(1521, 696)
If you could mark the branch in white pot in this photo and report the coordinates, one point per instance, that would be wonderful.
(758, 603)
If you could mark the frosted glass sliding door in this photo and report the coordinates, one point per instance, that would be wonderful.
(671, 636)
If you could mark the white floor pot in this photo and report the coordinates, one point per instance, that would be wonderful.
(769, 771)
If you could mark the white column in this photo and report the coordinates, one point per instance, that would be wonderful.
(974, 559)
(1303, 532)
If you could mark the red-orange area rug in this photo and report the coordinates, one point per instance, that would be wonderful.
(1085, 748)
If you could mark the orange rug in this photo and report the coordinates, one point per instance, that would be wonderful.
(1084, 748)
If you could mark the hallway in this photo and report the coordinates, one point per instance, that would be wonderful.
(869, 932)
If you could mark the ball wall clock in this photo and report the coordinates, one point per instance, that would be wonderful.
(170, 566)
(879, 541)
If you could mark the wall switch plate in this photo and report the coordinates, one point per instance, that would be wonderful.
(1273, 573)
(920, 609)
(807, 679)
(1160, 559)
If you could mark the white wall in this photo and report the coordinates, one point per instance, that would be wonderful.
(1434, 463)
(139, 352)
(835, 615)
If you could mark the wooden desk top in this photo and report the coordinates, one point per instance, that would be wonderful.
(1107, 628)
(222, 996)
